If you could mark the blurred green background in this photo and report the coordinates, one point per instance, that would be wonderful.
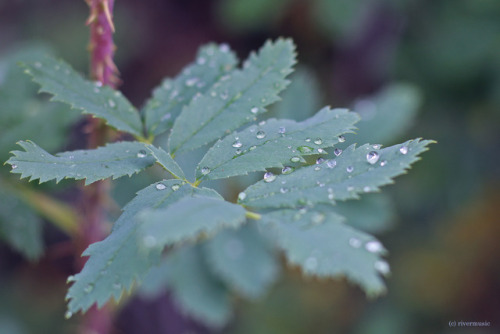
(362, 54)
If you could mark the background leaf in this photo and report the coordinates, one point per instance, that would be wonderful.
(59, 79)
(236, 98)
(113, 160)
(171, 96)
(274, 143)
(243, 259)
(118, 260)
(322, 245)
(187, 219)
(340, 178)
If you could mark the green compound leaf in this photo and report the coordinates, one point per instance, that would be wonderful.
(59, 79)
(322, 245)
(236, 98)
(171, 96)
(197, 291)
(275, 143)
(113, 160)
(118, 260)
(187, 219)
(166, 161)
(20, 227)
(243, 259)
(355, 171)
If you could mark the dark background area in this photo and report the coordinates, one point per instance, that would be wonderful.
(444, 241)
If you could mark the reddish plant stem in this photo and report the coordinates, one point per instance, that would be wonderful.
(93, 206)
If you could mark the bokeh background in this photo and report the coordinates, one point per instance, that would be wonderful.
(444, 233)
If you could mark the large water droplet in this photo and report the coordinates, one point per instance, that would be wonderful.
(403, 149)
(382, 267)
(318, 141)
(355, 242)
(242, 196)
(260, 134)
(311, 263)
(161, 186)
(341, 139)
(305, 149)
(337, 152)
(331, 163)
(372, 157)
(141, 154)
(349, 169)
(269, 177)
(205, 170)
(374, 246)
(254, 110)
(237, 144)
(294, 159)
(287, 170)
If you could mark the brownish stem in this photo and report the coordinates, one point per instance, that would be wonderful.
(93, 206)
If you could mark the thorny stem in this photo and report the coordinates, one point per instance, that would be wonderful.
(95, 198)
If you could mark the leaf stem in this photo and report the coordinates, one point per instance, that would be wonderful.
(253, 215)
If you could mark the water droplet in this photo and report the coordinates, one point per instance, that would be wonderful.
(224, 95)
(287, 170)
(254, 110)
(311, 263)
(98, 83)
(295, 159)
(282, 130)
(337, 152)
(141, 154)
(166, 117)
(283, 190)
(382, 267)
(317, 168)
(260, 134)
(367, 189)
(213, 93)
(349, 169)
(175, 187)
(111, 103)
(224, 48)
(331, 197)
(269, 177)
(88, 288)
(350, 188)
(376, 146)
(261, 123)
(191, 82)
(355, 242)
(383, 163)
(70, 279)
(237, 144)
(308, 140)
(205, 170)
(331, 163)
(305, 149)
(252, 148)
(149, 241)
(372, 157)
(68, 314)
(374, 246)
(319, 161)
(318, 141)
(238, 152)
(14, 166)
(403, 149)
(161, 186)
(341, 139)
(321, 151)
(242, 196)
(201, 61)
(38, 64)
(317, 218)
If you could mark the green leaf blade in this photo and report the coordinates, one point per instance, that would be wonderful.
(276, 143)
(187, 219)
(236, 99)
(166, 161)
(113, 160)
(341, 178)
(119, 260)
(322, 245)
(243, 259)
(60, 80)
(171, 96)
